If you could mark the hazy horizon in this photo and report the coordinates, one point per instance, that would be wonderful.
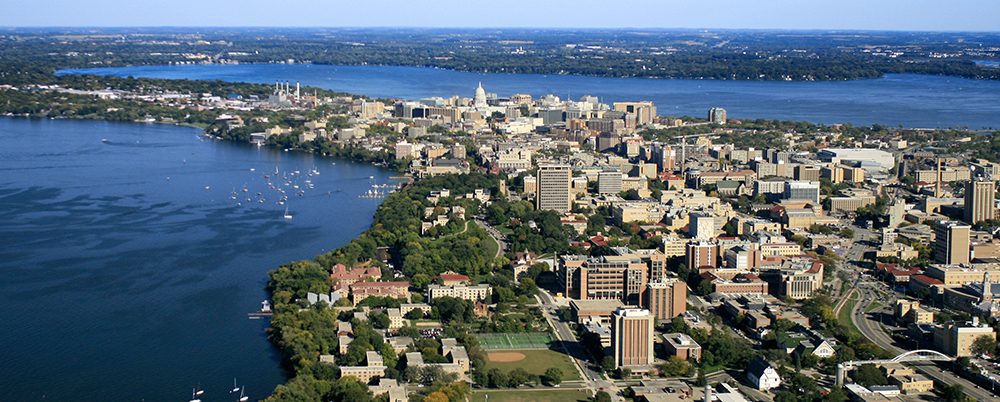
(471, 28)
(783, 15)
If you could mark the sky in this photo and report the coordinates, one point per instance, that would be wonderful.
(919, 15)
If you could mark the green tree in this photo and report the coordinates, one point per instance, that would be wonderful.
(675, 367)
(497, 378)
(953, 393)
(608, 363)
(983, 345)
(602, 396)
(349, 389)
(552, 376)
(379, 319)
(869, 374)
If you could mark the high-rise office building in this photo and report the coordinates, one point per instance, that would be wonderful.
(609, 182)
(667, 298)
(644, 112)
(717, 115)
(951, 242)
(979, 200)
(632, 337)
(702, 255)
(665, 158)
(554, 188)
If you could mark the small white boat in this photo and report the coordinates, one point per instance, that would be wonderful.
(243, 397)
(287, 215)
(235, 388)
(195, 393)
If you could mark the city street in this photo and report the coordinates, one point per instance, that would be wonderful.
(567, 337)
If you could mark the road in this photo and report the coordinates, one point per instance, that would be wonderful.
(872, 329)
(497, 236)
(581, 357)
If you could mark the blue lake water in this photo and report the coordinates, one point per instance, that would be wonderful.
(902, 99)
(127, 270)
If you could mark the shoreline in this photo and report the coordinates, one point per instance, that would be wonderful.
(61, 71)
(745, 99)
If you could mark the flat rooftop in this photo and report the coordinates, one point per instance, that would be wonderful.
(596, 305)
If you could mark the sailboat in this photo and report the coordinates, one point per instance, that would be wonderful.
(235, 388)
(243, 397)
(287, 215)
(194, 393)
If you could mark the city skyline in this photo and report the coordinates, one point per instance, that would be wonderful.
(895, 15)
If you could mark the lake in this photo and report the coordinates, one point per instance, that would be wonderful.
(901, 99)
(128, 268)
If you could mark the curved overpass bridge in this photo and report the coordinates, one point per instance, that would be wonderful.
(920, 355)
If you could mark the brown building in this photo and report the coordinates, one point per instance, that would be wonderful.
(702, 255)
(363, 290)
(666, 299)
(741, 284)
(681, 346)
(632, 338)
(605, 278)
(344, 277)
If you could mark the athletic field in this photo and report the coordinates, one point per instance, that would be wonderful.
(522, 341)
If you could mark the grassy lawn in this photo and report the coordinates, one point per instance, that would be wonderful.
(491, 246)
(536, 362)
(713, 369)
(524, 395)
(845, 315)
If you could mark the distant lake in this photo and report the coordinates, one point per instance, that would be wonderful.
(901, 99)
(127, 268)
(989, 63)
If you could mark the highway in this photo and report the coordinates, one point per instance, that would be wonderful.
(873, 330)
